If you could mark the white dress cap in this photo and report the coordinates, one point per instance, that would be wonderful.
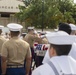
(30, 27)
(73, 27)
(1, 26)
(60, 38)
(14, 27)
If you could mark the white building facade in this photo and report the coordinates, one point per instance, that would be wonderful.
(8, 8)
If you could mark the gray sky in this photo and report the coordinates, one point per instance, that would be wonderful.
(75, 1)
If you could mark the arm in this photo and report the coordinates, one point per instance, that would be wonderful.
(28, 65)
(28, 61)
(4, 54)
(4, 65)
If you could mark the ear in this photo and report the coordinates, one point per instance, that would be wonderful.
(52, 52)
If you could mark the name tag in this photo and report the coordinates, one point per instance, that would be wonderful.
(40, 53)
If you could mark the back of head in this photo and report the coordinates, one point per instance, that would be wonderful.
(31, 30)
(14, 28)
(62, 49)
(65, 27)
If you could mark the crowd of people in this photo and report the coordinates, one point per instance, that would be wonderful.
(20, 55)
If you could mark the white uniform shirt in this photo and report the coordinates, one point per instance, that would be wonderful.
(73, 51)
(65, 63)
(46, 57)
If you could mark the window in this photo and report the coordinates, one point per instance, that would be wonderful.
(6, 7)
(16, 7)
(5, 15)
(2, 6)
(12, 7)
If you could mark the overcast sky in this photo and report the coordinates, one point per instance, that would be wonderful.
(75, 1)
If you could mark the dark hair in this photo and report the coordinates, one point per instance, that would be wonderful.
(62, 49)
(15, 33)
(65, 27)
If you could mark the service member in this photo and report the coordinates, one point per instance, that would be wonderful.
(14, 52)
(73, 50)
(2, 40)
(60, 63)
(31, 38)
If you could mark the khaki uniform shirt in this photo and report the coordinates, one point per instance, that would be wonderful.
(2, 40)
(16, 50)
(44, 41)
(31, 39)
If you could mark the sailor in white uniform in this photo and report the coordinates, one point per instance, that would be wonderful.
(47, 57)
(60, 63)
(73, 49)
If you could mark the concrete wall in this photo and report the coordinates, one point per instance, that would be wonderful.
(5, 20)
(10, 5)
